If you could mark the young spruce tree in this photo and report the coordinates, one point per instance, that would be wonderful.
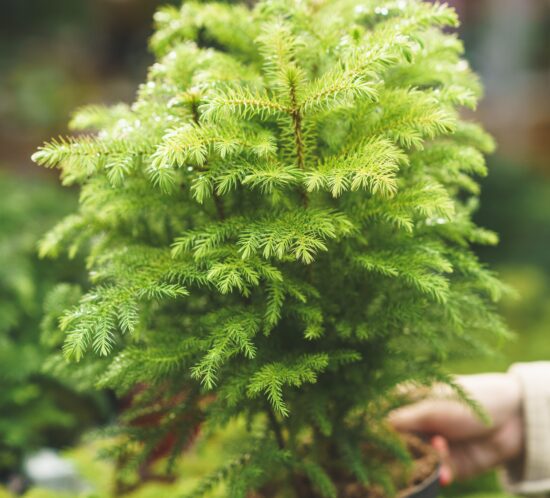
(278, 229)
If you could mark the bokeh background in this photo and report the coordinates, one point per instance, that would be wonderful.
(56, 55)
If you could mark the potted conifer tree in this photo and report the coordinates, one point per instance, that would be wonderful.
(278, 230)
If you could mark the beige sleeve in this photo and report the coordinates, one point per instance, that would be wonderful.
(534, 477)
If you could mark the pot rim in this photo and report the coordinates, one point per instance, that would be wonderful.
(434, 476)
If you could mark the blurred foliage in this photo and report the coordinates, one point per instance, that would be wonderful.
(35, 409)
(98, 474)
(485, 487)
(516, 204)
(43, 46)
(38, 55)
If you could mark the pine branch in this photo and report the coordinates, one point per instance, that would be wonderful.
(241, 103)
(372, 166)
(271, 378)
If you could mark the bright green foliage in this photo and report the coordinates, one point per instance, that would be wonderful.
(283, 219)
(35, 408)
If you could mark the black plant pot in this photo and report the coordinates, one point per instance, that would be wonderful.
(427, 489)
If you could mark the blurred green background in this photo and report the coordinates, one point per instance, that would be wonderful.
(56, 55)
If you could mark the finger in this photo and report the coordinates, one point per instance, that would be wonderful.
(448, 418)
(443, 413)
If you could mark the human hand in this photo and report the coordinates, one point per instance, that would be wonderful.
(468, 446)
